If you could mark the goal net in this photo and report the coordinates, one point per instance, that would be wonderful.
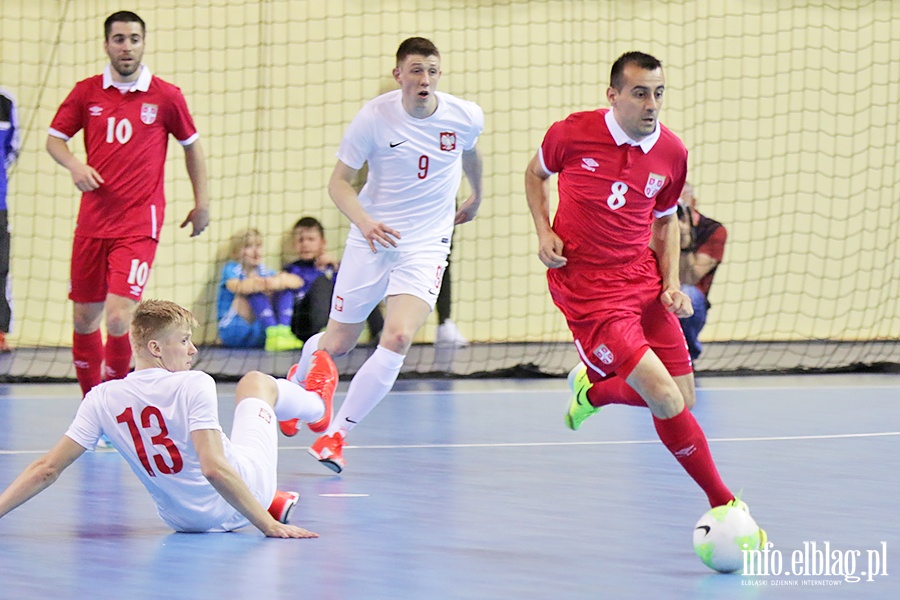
(790, 112)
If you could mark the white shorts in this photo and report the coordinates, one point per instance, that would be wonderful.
(366, 278)
(254, 449)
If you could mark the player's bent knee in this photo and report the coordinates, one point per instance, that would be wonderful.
(665, 403)
(396, 341)
(87, 317)
(689, 402)
(338, 347)
(256, 384)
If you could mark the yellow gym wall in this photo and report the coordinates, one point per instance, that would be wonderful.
(789, 110)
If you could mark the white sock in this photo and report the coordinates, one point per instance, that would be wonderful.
(371, 383)
(296, 403)
(310, 346)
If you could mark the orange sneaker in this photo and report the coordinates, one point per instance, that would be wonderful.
(322, 379)
(289, 427)
(282, 504)
(4, 347)
(328, 451)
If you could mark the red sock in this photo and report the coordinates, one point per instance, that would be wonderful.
(118, 357)
(614, 391)
(686, 441)
(87, 354)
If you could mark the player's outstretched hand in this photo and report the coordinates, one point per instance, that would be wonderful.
(551, 251)
(199, 219)
(375, 231)
(677, 302)
(281, 530)
(467, 211)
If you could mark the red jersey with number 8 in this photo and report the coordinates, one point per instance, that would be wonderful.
(610, 188)
(126, 137)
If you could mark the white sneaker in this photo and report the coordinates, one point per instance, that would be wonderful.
(449, 335)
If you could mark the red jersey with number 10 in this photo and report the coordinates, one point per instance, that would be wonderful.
(126, 137)
(609, 188)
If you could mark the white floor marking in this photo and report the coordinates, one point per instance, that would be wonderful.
(778, 438)
(344, 495)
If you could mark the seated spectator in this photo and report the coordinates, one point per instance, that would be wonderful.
(317, 270)
(702, 249)
(255, 304)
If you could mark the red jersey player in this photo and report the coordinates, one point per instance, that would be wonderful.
(613, 256)
(127, 115)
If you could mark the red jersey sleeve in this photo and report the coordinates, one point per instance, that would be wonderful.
(68, 118)
(553, 149)
(180, 123)
(670, 193)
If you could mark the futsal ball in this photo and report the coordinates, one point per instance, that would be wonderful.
(721, 536)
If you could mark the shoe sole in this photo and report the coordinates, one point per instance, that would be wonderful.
(328, 462)
(289, 510)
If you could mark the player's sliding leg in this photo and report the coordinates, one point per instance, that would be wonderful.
(337, 340)
(283, 397)
(313, 405)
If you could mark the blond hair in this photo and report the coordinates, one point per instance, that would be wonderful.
(242, 239)
(152, 317)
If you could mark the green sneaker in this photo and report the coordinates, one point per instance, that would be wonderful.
(279, 338)
(579, 407)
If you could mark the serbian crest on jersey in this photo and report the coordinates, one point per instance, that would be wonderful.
(604, 354)
(654, 184)
(148, 113)
(448, 141)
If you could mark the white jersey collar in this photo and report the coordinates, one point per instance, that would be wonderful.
(141, 84)
(621, 137)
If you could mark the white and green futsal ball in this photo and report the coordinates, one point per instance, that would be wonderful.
(721, 536)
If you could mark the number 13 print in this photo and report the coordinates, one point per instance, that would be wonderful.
(148, 415)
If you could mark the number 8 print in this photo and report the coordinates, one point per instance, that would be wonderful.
(617, 198)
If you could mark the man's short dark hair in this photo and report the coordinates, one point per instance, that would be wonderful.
(644, 61)
(416, 45)
(123, 16)
(309, 223)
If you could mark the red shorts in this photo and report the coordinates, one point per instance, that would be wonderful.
(119, 266)
(614, 313)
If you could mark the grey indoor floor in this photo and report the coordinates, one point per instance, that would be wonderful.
(475, 489)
